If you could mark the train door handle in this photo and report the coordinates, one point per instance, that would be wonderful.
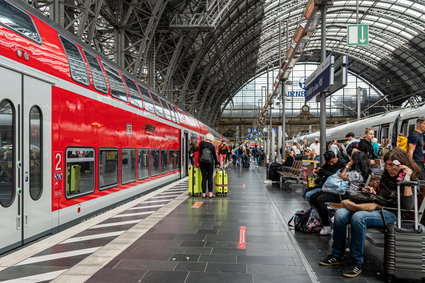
(26, 220)
(26, 177)
(18, 222)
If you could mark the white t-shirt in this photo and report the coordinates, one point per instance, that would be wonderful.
(315, 147)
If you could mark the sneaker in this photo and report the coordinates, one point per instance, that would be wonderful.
(331, 260)
(352, 270)
(326, 230)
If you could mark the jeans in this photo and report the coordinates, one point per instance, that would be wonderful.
(360, 221)
(308, 193)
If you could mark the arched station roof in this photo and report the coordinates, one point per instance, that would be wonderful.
(199, 53)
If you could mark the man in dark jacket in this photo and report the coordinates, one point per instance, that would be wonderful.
(365, 144)
(207, 161)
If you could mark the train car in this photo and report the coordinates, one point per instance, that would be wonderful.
(78, 134)
(388, 125)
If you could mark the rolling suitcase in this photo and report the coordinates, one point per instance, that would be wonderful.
(195, 181)
(404, 255)
(221, 182)
(73, 184)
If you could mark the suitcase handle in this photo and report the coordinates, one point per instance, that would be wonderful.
(415, 200)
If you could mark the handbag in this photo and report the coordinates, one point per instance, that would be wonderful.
(350, 205)
(366, 197)
(335, 185)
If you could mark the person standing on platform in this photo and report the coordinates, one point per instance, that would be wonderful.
(365, 144)
(223, 149)
(416, 144)
(207, 161)
(193, 148)
(315, 146)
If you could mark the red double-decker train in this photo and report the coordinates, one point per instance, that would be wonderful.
(78, 134)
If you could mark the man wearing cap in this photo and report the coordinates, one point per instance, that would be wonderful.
(416, 143)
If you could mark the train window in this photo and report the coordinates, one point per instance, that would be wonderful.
(77, 65)
(404, 128)
(7, 152)
(173, 110)
(155, 162)
(143, 163)
(135, 98)
(178, 159)
(79, 171)
(115, 83)
(173, 117)
(18, 21)
(36, 182)
(157, 103)
(164, 161)
(172, 163)
(385, 131)
(128, 165)
(108, 168)
(167, 112)
(147, 100)
(99, 79)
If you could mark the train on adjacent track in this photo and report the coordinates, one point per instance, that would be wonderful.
(78, 134)
(388, 125)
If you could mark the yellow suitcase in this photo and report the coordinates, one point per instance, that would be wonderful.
(195, 181)
(73, 184)
(221, 182)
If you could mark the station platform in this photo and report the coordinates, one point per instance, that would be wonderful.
(165, 237)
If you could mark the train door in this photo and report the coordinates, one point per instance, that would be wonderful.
(10, 183)
(25, 195)
(185, 158)
(36, 158)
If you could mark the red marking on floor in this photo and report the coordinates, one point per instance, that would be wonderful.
(197, 204)
(242, 238)
(243, 186)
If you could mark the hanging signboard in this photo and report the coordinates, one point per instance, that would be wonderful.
(321, 78)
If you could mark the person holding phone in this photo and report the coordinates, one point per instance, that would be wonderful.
(399, 166)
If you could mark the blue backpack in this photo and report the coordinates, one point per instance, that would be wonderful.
(335, 185)
(306, 221)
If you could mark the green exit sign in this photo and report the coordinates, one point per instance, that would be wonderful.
(358, 34)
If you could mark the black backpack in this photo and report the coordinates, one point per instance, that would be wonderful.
(206, 156)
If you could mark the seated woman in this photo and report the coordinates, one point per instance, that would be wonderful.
(288, 159)
(357, 172)
(396, 161)
(312, 155)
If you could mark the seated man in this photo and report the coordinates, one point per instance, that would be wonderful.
(332, 164)
(396, 161)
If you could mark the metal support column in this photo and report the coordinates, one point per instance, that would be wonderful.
(323, 94)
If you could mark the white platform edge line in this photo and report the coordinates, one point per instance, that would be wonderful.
(112, 224)
(37, 247)
(93, 237)
(104, 255)
(37, 278)
(133, 214)
(55, 256)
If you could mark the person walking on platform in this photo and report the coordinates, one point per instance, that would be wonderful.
(416, 144)
(207, 161)
(223, 149)
(395, 161)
